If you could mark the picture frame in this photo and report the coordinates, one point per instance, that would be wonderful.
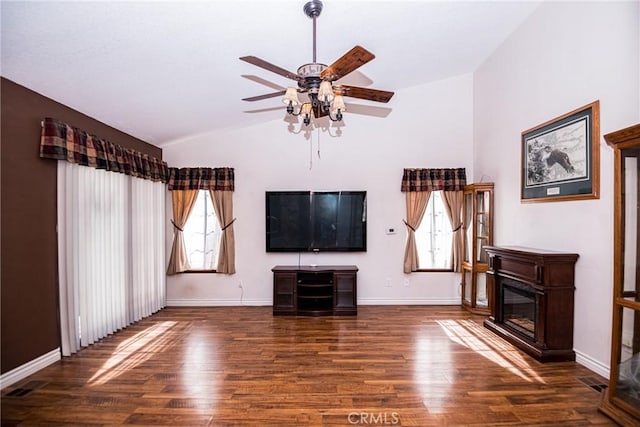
(560, 159)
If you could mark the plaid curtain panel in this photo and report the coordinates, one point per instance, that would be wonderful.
(434, 180)
(60, 141)
(217, 179)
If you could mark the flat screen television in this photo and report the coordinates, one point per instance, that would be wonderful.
(314, 221)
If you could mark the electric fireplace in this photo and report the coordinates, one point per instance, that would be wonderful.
(519, 307)
(533, 300)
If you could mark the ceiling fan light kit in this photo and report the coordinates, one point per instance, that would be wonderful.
(316, 80)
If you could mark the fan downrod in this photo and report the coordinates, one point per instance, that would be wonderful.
(313, 8)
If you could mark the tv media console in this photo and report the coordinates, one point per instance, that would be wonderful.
(309, 290)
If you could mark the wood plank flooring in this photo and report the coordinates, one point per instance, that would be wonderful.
(237, 366)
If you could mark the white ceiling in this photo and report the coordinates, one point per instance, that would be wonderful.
(163, 71)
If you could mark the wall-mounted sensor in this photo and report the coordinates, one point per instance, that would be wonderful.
(390, 231)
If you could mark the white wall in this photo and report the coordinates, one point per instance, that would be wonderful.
(430, 126)
(564, 56)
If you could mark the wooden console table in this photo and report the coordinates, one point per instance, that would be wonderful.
(533, 300)
(322, 290)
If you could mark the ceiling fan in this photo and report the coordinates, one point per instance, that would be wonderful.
(316, 80)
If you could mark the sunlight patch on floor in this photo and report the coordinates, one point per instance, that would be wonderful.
(473, 336)
(200, 371)
(432, 367)
(134, 351)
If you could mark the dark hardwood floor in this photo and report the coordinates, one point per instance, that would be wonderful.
(390, 365)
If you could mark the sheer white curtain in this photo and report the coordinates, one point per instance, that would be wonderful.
(110, 254)
(148, 293)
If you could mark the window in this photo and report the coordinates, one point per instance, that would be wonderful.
(434, 237)
(202, 234)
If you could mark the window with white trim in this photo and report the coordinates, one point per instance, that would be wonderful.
(434, 238)
(202, 234)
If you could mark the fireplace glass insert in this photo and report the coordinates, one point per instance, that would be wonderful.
(519, 307)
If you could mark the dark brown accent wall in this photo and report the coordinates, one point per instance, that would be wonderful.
(28, 263)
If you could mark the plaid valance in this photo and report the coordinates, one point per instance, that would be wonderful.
(434, 179)
(62, 142)
(221, 179)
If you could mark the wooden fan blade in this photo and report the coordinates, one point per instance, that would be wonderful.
(348, 62)
(364, 93)
(269, 66)
(265, 96)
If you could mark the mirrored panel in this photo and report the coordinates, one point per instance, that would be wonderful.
(468, 235)
(482, 253)
(628, 384)
(631, 286)
(481, 290)
(467, 286)
(482, 224)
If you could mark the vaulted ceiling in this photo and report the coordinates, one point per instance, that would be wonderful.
(164, 71)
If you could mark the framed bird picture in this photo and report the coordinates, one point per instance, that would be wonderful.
(561, 158)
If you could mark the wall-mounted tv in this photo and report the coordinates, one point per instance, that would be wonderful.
(299, 221)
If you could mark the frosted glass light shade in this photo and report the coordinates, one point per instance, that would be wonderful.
(305, 110)
(338, 104)
(291, 96)
(325, 92)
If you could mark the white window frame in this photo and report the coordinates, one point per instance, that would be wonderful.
(434, 229)
(202, 233)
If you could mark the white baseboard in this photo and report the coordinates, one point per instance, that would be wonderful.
(592, 364)
(411, 301)
(204, 302)
(23, 371)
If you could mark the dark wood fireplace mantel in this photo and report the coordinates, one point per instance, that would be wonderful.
(533, 300)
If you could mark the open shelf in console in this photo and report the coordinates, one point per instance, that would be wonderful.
(314, 290)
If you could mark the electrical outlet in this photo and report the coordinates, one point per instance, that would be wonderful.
(387, 283)
(406, 282)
